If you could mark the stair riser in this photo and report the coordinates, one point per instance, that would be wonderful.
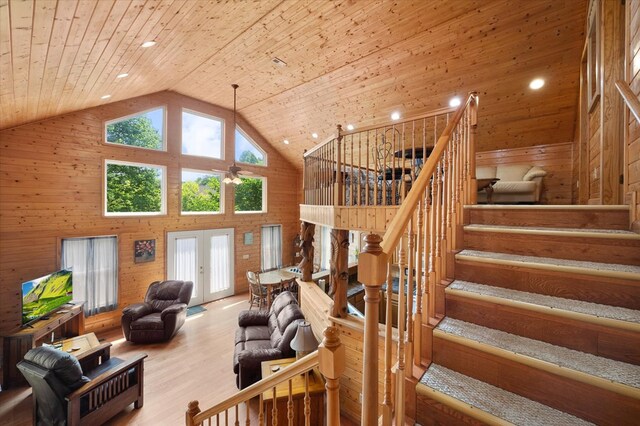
(587, 219)
(435, 413)
(580, 399)
(607, 250)
(620, 345)
(603, 290)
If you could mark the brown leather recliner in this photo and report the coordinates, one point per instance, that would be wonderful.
(161, 315)
(263, 336)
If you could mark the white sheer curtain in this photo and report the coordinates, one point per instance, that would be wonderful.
(186, 259)
(219, 264)
(271, 247)
(94, 262)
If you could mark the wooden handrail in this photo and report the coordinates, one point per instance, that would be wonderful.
(399, 222)
(299, 367)
(629, 98)
(327, 140)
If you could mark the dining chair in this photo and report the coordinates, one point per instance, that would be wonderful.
(257, 292)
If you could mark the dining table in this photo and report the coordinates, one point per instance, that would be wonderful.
(273, 279)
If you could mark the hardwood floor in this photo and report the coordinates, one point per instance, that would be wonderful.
(195, 365)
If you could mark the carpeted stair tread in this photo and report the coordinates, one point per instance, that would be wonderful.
(587, 308)
(597, 266)
(581, 231)
(599, 367)
(495, 401)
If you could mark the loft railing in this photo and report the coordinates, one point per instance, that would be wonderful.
(329, 358)
(416, 253)
(373, 166)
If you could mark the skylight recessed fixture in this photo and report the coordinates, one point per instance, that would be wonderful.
(350, 127)
(123, 75)
(536, 83)
(286, 142)
(395, 115)
(105, 97)
(314, 135)
(148, 43)
(454, 102)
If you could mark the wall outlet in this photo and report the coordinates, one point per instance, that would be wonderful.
(245, 256)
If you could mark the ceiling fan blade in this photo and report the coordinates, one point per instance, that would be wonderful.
(246, 173)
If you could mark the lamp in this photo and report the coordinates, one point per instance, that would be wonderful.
(304, 341)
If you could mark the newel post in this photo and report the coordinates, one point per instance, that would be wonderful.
(372, 264)
(331, 359)
(192, 411)
(306, 244)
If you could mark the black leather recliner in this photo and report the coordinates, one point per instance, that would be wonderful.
(161, 315)
(265, 335)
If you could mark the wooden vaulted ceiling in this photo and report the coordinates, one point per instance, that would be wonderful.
(347, 61)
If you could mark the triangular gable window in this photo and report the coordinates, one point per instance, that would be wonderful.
(247, 151)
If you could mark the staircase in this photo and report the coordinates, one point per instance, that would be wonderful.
(542, 321)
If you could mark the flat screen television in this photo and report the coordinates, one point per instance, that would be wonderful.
(45, 294)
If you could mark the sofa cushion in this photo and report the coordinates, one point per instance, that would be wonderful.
(485, 172)
(534, 172)
(516, 187)
(149, 322)
(256, 333)
(512, 172)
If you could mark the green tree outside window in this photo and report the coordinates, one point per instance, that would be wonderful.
(248, 195)
(201, 194)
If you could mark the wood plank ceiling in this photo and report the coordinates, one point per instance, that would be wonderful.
(347, 61)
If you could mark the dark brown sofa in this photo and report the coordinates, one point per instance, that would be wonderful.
(265, 335)
(161, 315)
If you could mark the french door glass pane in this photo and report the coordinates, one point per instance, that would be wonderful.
(219, 264)
(187, 261)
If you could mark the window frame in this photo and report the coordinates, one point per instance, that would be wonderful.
(208, 116)
(221, 174)
(254, 143)
(133, 115)
(272, 225)
(163, 189)
(264, 196)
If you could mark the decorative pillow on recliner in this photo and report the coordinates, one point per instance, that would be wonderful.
(534, 173)
(65, 366)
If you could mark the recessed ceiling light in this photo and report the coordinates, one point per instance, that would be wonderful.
(314, 135)
(123, 75)
(148, 43)
(279, 62)
(286, 142)
(105, 97)
(454, 102)
(395, 115)
(536, 83)
(350, 127)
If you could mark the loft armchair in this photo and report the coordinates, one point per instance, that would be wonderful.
(161, 315)
(64, 395)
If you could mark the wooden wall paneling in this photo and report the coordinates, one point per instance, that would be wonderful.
(632, 163)
(556, 159)
(51, 177)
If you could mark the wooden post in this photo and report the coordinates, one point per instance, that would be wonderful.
(372, 264)
(473, 129)
(306, 244)
(339, 277)
(192, 410)
(331, 360)
(338, 200)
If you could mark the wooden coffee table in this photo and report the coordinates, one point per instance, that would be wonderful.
(316, 395)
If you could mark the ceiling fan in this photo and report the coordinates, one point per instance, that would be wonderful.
(234, 173)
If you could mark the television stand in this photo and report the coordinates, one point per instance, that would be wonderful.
(69, 323)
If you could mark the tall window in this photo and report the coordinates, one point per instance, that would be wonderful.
(134, 189)
(201, 134)
(251, 195)
(247, 151)
(94, 262)
(142, 130)
(201, 192)
(271, 247)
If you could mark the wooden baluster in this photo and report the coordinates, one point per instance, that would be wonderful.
(359, 174)
(401, 162)
(473, 116)
(226, 417)
(371, 272)
(237, 422)
(367, 173)
(377, 184)
(417, 316)
(331, 361)
(351, 173)
(290, 405)
(410, 287)
(400, 378)
(387, 404)
(261, 411)
(274, 410)
(247, 421)
(436, 222)
(217, 420)
(394, 187)
(307, 400)
(192, 410)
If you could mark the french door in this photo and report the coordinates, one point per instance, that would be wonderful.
(204, 257)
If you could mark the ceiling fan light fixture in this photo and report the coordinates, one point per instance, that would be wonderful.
(236, 180)
(227, 180)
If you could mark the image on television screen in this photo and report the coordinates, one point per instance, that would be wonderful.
(45, 294)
